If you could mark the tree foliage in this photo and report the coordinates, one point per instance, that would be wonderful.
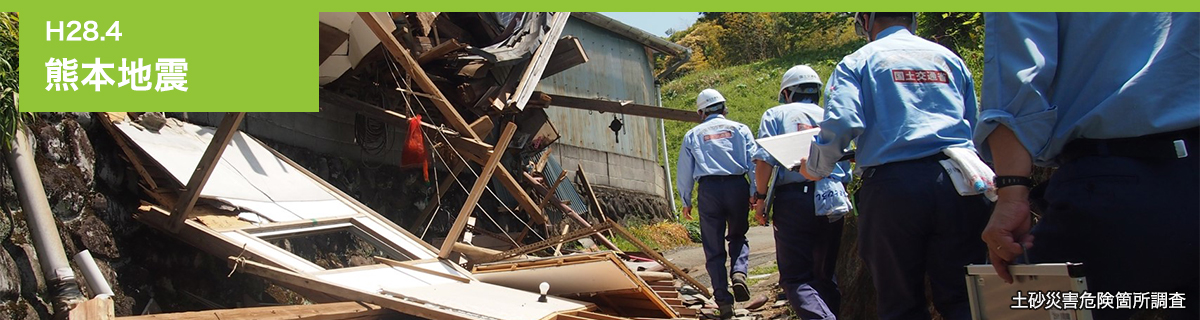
(723, 39)
(10, 119)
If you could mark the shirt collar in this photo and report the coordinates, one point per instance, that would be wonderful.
(713, 116)
(891, 31)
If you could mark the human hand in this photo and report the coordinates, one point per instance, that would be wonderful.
(687, 213)
(759, 214)
(802, 168)
(1008, 229)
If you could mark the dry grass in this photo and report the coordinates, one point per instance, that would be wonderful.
(664, 235)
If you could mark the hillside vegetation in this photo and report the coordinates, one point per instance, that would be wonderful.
(744, 55)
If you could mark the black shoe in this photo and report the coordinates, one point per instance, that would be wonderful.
(725, 311)
(741, 292)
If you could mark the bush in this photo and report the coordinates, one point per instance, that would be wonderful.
(10, 119)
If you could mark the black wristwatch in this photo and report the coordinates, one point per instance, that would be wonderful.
(1004, 181)
(760, 196)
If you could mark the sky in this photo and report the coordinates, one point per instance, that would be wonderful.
(656, 23)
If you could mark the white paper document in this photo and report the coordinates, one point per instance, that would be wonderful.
(789, 148)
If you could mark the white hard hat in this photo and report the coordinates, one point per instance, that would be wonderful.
(799, 75)
(707, 98)
(861, 30)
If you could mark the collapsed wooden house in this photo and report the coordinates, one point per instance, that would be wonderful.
(231, 196)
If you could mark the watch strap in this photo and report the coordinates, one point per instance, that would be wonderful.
(1005, 181)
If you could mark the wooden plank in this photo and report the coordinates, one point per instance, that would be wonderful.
(587, 187)
(598, 316)
(624, 108)
(533, 73)
(325, 311)
(563, 316)
(510, 183)
(411, 66)
(424, 21)
(562, 206)
(541, 163)
(558, 248)
(553, 189)
(399, 264)
(667, 294)
(440, 50)
(661, 288)
(398, 303)
(661, 260)
(107, 122)
(208, 162)
(567, 53)
(94, 309)
(643, 289)
(485, 176)
(551, 241)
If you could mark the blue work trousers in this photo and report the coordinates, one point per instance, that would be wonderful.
(1133, 223)
(806, 248)
(913, 224)
(724, 201)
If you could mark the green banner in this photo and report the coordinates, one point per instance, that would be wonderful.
(257, 56)
(167, 56)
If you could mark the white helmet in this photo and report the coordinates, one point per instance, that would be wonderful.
(707, 98)
(799, 75)
(861, 30)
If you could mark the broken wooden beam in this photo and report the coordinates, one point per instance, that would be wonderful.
(440, 50)
(325, 311)
(624, 108)
(549, 242)
(98, 308)
(413, 68)
(107, 122)
(204, 169)
(533, 73)
(599, 238)
(553, 189)
(661, 260)
(538, 64)
(485, 176)
(558, 248)
(567, 53)
(523, 200)
(587, 187)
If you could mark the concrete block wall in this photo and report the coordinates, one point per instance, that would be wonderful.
(612, 169)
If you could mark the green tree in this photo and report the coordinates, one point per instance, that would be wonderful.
(10, 119)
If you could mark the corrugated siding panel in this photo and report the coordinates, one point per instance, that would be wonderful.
(618, 69)
(566, 189)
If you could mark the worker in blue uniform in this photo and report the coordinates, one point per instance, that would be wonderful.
(904, 99)
(1112, 100)
(717, 153)
(806, 244)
